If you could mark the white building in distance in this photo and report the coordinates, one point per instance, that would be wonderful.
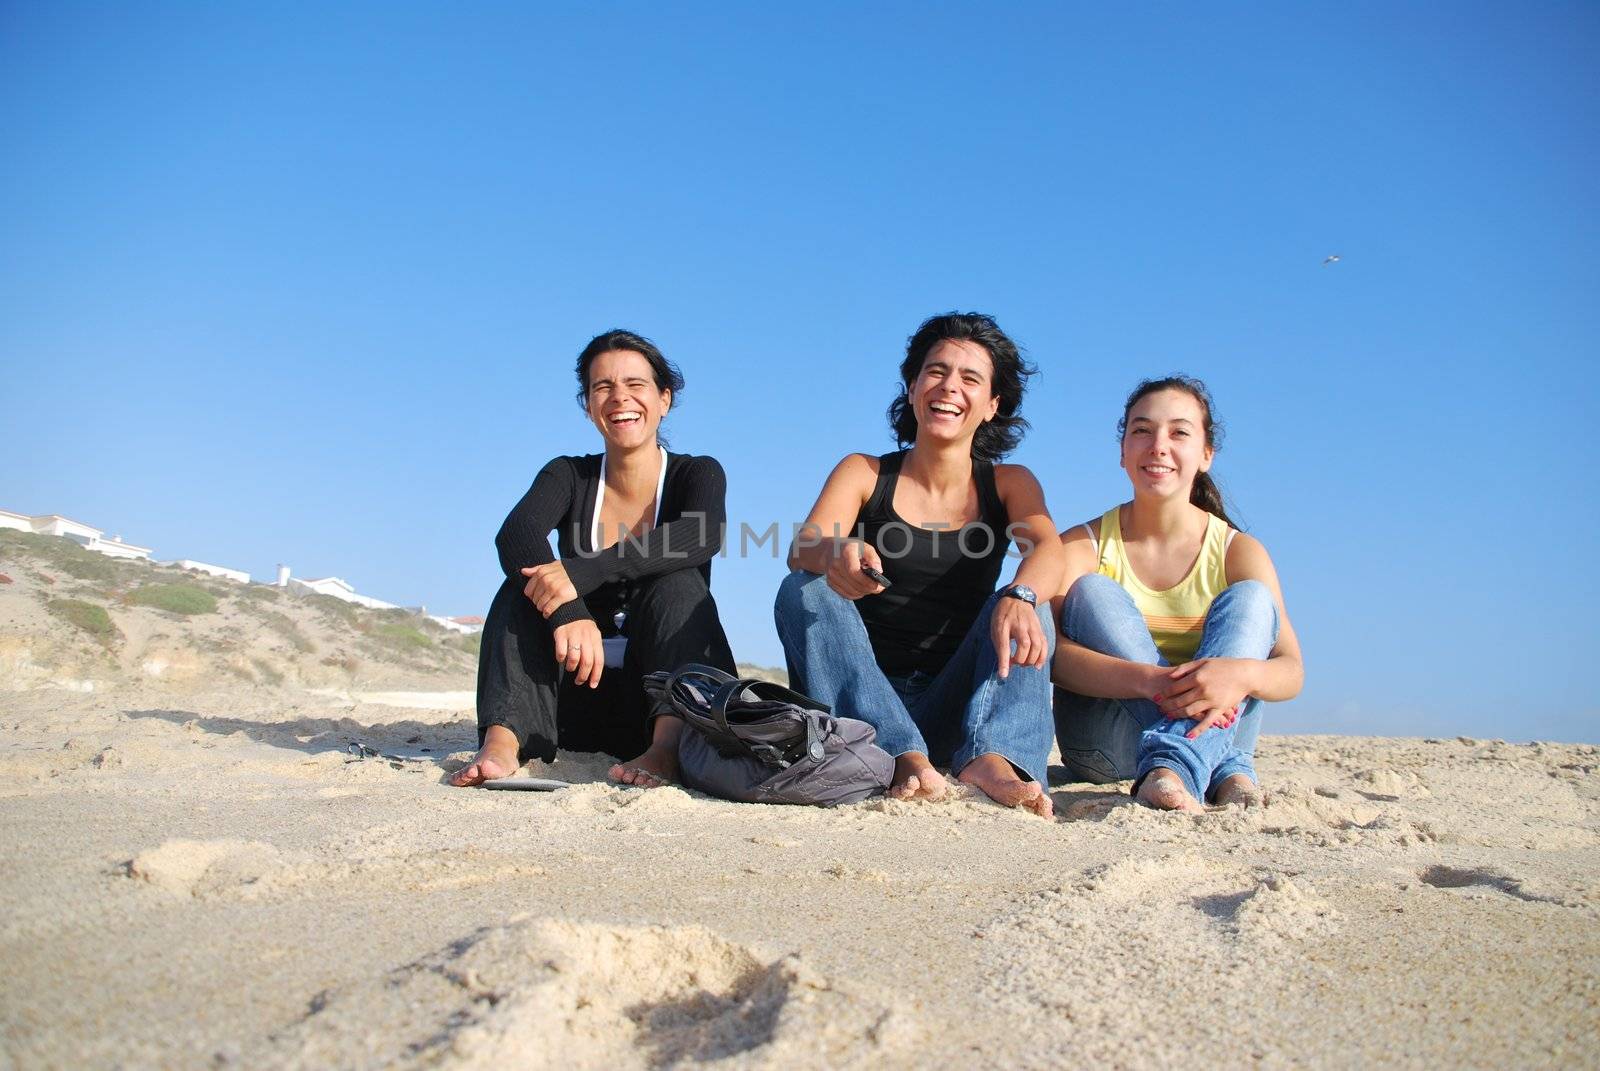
(53, 524)
(236, 575)
(338, 589)
(467, 626)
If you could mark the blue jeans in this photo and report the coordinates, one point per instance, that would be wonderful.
(963, 712)
(1114, 739)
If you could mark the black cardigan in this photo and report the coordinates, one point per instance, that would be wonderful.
(562, 498)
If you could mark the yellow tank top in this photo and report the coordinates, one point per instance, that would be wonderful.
(1177, 616)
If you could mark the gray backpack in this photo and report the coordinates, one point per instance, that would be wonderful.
(758, 742)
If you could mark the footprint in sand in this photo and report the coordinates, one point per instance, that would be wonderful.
(1485, 878)
(203, 868)
(546, 993)
(1390, 785)
(1066, 959)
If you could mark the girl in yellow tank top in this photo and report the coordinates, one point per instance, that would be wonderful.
(1173, 625)
(1175, 616)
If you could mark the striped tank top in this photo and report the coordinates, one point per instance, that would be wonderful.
(1177, 616)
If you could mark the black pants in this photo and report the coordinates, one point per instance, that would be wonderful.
(672, 619)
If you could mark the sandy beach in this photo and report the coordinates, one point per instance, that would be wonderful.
(216, 881)
(201, 873)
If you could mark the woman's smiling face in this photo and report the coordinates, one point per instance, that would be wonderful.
(623, 399)
(1164, 447)
(954, 393)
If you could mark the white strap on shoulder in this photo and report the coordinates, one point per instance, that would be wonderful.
(600, 498)
(599, 501)
(661, 485)
(1092, 540)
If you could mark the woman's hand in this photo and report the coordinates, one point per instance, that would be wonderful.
(845, 559)
(548, 588)
(580, 652)
(1210, 684)
(1016, 620)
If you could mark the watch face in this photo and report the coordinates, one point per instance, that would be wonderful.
(1023, 592)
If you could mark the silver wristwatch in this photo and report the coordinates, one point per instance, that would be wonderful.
(1023, 592)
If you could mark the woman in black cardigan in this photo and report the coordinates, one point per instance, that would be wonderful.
(636, 528)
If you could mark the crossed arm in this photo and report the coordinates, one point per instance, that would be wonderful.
(1208, 690)
(556, 586)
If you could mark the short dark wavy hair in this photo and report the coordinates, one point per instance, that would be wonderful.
(666, 373)
(995, 438)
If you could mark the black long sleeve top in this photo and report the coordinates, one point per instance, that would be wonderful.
(689, 533)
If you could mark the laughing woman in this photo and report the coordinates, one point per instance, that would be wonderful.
(636, 528)
(891, 614)
(1173, 624)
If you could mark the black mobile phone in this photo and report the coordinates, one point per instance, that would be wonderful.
(875, 576)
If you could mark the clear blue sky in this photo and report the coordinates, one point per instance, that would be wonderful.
(304, 283)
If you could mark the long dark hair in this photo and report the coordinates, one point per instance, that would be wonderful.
(995, 438)
(666, 373)
(1205, 494)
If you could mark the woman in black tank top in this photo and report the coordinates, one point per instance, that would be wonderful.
(891, 613)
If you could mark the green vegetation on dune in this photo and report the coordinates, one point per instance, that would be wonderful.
(174, 598)
(85, 615)
(63, 555)
(402, 636)
(462, 641)
(78, 586)
(265, 592)
(337, 609)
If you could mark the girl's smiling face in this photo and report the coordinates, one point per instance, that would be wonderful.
(623, 399)
(953, 394)
(1164, 445)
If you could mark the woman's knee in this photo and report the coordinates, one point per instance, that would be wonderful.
(1095, 596)
(511, 612)
(805, 593)
(1254, 600)
(673, 602)
(678, 586)
(1042, 611)
(1092, 590)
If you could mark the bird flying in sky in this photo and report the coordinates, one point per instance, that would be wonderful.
(1332, 259)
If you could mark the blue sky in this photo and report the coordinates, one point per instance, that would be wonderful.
(304, 283)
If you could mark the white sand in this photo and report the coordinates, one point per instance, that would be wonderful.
(206, 880)
(198, 874)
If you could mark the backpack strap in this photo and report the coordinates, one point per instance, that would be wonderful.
(765, 753)
(725, 692)
(777, 693)
(710, 677)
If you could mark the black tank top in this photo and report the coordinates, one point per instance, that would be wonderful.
(941, 578)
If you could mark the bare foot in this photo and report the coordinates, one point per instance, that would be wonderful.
(1163, 790)
(658, 766)
(996, 778)
(497, 758)
(916, 779)
(1238, 789)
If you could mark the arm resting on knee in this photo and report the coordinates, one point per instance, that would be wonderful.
(1078, 669)
(1281, 676)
